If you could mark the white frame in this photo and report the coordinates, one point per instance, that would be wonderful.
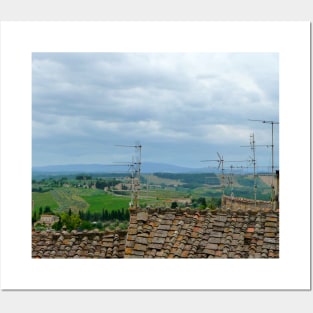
(290, 39)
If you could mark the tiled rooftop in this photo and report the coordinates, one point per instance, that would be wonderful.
(188, 233)
(172, 233)
(87, 244)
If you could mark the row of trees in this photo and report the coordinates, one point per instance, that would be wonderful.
(102, 183)
(84, 180)
(201, 203)
(89, 221)
(104, 215)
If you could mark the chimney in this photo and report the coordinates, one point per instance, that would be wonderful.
(277, 190)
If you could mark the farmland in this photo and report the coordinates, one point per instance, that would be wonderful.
(63, 198)
(102, 200)
(62, 193)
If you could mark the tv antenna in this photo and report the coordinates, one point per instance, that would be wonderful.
(135, 169)
(253, 161)
(220, 166)
(221, 161)
(272, 123)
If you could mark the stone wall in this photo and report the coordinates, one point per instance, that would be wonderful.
(243, 203)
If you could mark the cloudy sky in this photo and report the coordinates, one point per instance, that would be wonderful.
(182, 108)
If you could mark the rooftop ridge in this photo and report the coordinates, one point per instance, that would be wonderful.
(118, 232)
(192, 211)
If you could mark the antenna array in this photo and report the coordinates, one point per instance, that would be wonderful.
(221, 166)
(272, 185)
(135, 171)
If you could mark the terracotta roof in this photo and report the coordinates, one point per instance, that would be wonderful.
(172, 233)
(188, 233)
(86, 244)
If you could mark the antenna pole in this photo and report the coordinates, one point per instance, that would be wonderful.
(137, 184)
(231, 185)
(273, 188)
(252, 143)
(135, 175)
(272, 157)
(223, 177)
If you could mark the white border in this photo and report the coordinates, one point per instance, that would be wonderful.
(289, 39)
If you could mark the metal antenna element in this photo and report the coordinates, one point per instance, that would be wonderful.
(272, 123)
(135, 169)
(220, 165)
(221, 161)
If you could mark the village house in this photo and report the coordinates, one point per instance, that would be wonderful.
(48, 219)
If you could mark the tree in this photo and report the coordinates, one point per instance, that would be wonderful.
(85, 225)
(202, 203)
(70, 221)
(81, 215)
(47, 209)
(34, 217)
(58, 225)
(103, 215)
(174, 205)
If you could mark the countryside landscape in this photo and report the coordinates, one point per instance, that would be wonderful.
(101, 200)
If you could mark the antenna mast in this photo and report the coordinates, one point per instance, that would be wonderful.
(272, 123)
(253, 160)
(230, 181)
(135, 174)
(252, 143)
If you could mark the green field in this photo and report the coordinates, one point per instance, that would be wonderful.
(43, 199)
(97, 202)
(61, 199)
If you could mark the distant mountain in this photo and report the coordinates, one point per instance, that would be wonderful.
(147, 167)
(150, 167)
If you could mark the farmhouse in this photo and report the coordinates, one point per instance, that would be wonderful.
(48, 219)
(172, 233)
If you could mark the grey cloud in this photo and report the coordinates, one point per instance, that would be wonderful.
(168, 100)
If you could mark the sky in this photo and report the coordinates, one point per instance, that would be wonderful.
(182, 108)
